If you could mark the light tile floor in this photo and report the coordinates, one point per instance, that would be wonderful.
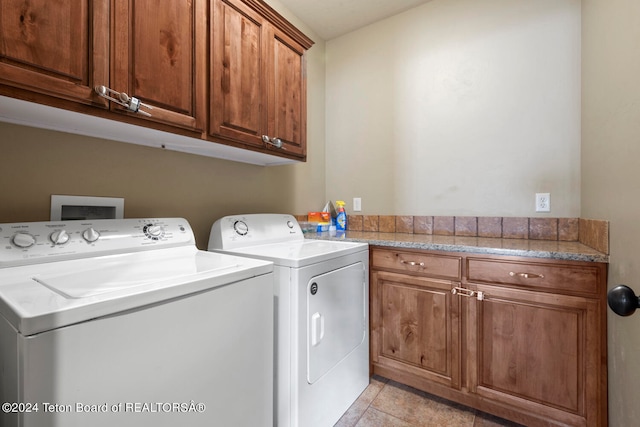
(386, 403)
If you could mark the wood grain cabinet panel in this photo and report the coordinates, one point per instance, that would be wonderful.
(238, 80)
(417, 327)
(431, 265)
(159, 57)
(58, 49)
(555, 277)
(522, 338)
(258, 78)
(286, 77)
(538, 352)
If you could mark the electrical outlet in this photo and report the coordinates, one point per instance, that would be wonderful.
(357, 204)
(543, 202)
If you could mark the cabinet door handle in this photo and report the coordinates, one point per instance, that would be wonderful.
(526, 275)
(131, 103)
(276, 142)
(412, 263)
(464, 292)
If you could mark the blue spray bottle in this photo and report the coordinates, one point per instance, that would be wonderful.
(341, 219)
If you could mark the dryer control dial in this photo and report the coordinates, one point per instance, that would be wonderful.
(241, 227)
(23, 240)
(59, 237)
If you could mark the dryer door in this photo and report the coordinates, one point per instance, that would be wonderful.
(336, 317)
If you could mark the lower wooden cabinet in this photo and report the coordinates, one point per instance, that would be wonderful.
(515, 337)
(416, 327)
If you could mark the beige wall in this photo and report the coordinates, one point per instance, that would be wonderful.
(458, 107)
(611, 176)
(36, 163)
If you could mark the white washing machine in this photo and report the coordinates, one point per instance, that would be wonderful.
(126, 323)
(322, 314)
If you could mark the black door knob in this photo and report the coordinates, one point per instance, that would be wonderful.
(622, 300)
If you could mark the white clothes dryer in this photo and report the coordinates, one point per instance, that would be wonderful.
(126, 323)
(322, 314)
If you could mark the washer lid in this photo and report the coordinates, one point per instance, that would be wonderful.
(300, 253)
(42, 297)
(111, 274)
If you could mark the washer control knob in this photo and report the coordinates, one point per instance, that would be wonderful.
(153, 231)
(59, 237)
(23, 240)
(290, 224)
(90, 235)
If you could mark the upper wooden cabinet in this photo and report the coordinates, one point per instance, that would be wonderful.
(58, 49)
(238, 84)
(216, 71)
(258, 81)
(287, 96)
(159, 56)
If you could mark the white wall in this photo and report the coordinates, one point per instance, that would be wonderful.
(611, 177)
(458, 107)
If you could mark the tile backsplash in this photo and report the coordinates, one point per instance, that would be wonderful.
(593, 233)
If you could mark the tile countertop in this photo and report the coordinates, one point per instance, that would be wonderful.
(568, 251)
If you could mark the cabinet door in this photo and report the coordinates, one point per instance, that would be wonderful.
(415, 328)
(57, 48)
(537, 351)
(238, 89)
(287, 92)
(159, 57)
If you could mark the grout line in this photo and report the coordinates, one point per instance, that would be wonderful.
(372, 400)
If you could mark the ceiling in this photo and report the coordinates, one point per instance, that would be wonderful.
(333, 18)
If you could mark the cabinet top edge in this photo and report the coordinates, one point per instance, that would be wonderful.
(281, 22)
